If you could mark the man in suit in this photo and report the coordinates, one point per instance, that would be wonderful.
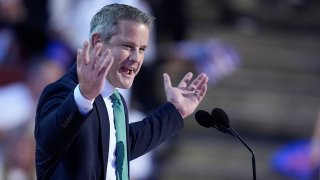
(75, 127)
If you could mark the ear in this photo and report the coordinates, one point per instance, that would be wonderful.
(95, 38)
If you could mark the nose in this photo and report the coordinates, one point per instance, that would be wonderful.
(134, 55)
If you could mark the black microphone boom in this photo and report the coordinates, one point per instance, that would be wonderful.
(253, 159)
(220, 120)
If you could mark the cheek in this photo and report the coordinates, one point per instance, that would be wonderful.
(119, 58)
(120, 53)
(114, 68)
(141, 60)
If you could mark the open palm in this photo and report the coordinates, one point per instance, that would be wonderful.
(188, 94)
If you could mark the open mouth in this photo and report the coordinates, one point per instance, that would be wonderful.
(127, 70)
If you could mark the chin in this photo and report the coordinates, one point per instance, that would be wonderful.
(125, 85)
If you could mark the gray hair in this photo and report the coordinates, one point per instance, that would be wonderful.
(105, 22)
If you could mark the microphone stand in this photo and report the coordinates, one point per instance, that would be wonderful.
(252, 153)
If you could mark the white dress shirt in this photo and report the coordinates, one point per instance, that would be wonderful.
(85, 106)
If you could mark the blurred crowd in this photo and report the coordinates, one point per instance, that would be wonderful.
(31, 56)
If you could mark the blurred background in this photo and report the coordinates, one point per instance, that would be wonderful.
(262, 58)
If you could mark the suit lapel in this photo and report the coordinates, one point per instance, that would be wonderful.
(104, 130)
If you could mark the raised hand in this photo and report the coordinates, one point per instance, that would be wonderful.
(93, 65)
(187, 96)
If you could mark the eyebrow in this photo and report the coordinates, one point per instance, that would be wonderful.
(133, 44)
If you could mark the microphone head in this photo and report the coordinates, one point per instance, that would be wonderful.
(204, 119)
(221, 118)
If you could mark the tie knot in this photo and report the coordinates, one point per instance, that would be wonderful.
(115, 96)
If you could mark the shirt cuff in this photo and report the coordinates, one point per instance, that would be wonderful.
(84, 105)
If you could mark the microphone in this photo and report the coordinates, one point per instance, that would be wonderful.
(206, 120)
(220, 120)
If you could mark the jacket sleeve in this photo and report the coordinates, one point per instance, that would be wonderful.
(153, 130)
(58, 119)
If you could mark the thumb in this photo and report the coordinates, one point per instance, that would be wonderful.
(167, 81)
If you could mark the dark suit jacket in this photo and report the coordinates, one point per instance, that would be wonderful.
(72, 146)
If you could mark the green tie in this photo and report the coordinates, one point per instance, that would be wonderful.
(121, 146)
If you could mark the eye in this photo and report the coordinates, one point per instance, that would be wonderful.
(126, 46)
(142, 49)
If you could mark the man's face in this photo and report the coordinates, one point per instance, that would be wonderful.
(127, 48)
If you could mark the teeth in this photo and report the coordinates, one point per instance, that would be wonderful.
(131, 69)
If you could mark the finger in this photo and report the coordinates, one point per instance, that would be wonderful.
(94, 56)
(167, 81)
(104, 71)
(99, 61)
(201, 88)
(186, 79)
(79, 62)
(202, 81)
(103, 60)
(202, 92)
(198, 82)
(97, 50)
(85, 53)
